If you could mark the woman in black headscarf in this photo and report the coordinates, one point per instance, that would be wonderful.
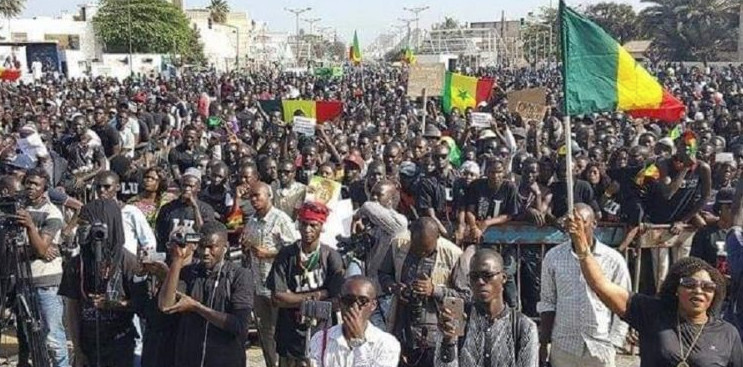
(97, 284)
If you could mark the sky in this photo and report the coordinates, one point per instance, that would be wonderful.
(368, 17)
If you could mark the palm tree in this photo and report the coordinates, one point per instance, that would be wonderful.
(11, 8)
(691, 29)
(218, 10)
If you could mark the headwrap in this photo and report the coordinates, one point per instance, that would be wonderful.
(313, 211)
(108, 212)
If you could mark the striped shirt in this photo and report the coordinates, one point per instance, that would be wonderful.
(582, 321)
(274, 231)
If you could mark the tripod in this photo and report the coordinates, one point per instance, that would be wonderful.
(15, 259)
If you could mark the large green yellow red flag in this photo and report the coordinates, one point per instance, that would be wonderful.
(320, 110)
(461, 91)
(600, 75)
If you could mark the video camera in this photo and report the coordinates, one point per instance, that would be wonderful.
(9, 207)
(358, 245)
(182, 238)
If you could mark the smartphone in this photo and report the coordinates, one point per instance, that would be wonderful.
(456, 306)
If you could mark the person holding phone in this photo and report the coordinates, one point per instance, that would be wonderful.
(494, 334)
(356, 340)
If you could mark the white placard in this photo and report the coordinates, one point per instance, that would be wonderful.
(338, 223)
(482, 119)
(304, 125)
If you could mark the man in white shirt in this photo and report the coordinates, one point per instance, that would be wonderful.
(128, 128)
(356, 342)
(576, 328)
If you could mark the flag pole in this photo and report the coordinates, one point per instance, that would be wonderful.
(569, 163)
(566, 118)
(425, 111)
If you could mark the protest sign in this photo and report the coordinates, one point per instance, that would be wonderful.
(426, 76)
(528, 103)
(304, 125)
(481, 120)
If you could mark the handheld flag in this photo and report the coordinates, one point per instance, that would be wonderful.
(675, 133)
(462, 91)
(650, 171)
(690, 140)
(320, 110)
(355, 53)
(599, 75)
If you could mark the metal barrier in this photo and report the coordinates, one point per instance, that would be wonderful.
(611, 234)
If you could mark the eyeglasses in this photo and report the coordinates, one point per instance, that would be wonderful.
(350, 300)
(484, 275)
(692, 283)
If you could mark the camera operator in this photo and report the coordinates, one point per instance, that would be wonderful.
(43, 223)
(265, 233)
(97, 284)
(417, 272)
(188, 211)
(356, 342)
(214, 299)
(385, 222)
(301, 272)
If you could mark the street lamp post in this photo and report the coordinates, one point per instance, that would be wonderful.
(297, 12)
(407, 25)
(417, 11)
(311, 22)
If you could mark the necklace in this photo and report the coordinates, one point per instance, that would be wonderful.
(683, 362)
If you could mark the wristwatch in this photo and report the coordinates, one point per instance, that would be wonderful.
(356, 342)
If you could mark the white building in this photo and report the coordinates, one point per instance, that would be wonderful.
(269, 47)
(223, 43)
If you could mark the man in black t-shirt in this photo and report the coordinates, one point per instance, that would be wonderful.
(184, 155)
(129, 175)
(303, 271)
(109, 136)
(493, 201)
(558, 191)
(214, 299)
(188, 211)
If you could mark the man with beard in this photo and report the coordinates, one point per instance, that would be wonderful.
(306, 270)
(214, 299)
(496, 335)
(188, 211)
(288, 193)
(184, 155)
(359, 191)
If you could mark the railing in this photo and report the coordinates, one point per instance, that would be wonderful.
(611, 234)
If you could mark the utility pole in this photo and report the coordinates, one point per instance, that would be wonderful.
(311, 22)
(417, 12)
(129, 30)
(297, 12)
(407, 25)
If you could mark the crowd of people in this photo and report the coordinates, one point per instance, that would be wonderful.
(168, 217)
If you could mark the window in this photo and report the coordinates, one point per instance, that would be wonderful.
(64, 41)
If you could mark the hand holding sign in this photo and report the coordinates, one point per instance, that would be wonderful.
(304, 125)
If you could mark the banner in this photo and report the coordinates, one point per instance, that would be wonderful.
(428, 76)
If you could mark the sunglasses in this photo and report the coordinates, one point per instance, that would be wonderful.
(349, 301)
(692, 283)
(483, 275)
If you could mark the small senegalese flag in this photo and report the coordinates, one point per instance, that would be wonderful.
(320, 110)
(455, 155)
(234, 219)
(599, 75)
(690, 140)
(650, 171)
(355, 53)
(408, 56)
(675, 133)
(462, 91)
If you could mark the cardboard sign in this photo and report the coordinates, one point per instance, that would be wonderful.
(482, 120)
(304, 125)
(323, 190)
(428, 76)
(528, 103)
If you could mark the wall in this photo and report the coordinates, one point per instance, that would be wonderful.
(220, 42)
(115, 65)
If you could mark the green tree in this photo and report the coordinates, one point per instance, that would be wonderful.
(147, 26)
(11, 8)
(218, 10)
(620, 20)
(692, 30)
